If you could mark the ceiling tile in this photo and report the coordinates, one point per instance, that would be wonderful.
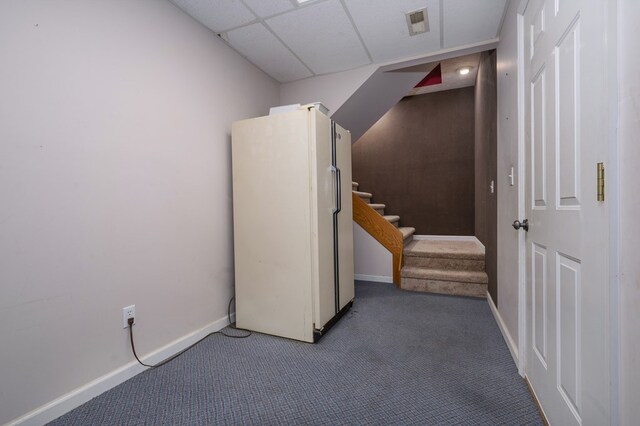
(383, 27)
(263, 49)
(265, 8)
(218, 15)
(322, 36)
(471, 21)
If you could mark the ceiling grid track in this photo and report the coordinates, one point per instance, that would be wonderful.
(274, 15)
(263, 22)
(441, 24)
(355, 27)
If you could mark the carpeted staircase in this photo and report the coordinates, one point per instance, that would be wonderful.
(437, 266)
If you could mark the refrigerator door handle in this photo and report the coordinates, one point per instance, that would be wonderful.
(338, 192)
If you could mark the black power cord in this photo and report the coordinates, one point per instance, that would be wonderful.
(171, 358)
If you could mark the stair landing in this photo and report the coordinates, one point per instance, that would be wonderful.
(445, 266)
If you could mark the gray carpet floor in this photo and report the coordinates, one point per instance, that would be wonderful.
(396, 358)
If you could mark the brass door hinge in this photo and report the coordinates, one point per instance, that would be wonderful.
(600, 181)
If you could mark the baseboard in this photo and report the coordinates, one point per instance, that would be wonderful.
(374, 278)
(79, 396)
(534, 396)
(513, 348)
(447, 237)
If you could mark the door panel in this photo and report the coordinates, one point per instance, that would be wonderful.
(539, 303)
(567, 248)
(568, 134)
(539, 140)
(568, 314)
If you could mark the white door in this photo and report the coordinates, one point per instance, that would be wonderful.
(566, 135)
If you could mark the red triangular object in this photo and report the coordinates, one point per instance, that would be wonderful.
(434, 77)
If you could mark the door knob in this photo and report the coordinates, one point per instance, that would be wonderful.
(524, 224)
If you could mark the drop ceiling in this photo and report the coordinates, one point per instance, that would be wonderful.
(291, 41)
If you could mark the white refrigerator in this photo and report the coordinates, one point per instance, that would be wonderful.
(292, 222)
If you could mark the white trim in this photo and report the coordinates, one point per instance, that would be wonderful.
(373, 278)
(56, 408)
(613, 193)
(545, 419)
(503, 328)
(522, 244)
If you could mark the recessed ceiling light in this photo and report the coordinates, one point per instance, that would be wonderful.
(418, 22)
(464, 70)
(303, 1)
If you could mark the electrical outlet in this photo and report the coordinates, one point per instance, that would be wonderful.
(128, 312)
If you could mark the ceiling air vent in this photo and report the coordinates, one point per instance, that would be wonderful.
(418, 22)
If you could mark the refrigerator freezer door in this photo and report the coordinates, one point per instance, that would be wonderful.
(345, 218)
(322, 191)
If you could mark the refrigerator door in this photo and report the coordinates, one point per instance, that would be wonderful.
(322, 191)
(345, 217)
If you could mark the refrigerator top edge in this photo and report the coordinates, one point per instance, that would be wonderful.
(316, 105)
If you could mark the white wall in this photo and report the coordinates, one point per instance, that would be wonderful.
(331, 89)
(629, 177)
(371, 261)
(507, 75)
(114, 185)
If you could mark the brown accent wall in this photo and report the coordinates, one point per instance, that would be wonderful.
(418, 159)
(486, 206)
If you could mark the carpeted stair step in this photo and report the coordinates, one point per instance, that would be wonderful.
(394, 220)
(378, 207)
(354, 186)
(447, 248)
(479, 277)
(407, 234)
(364, 196)
(452, 255)
(459, 283)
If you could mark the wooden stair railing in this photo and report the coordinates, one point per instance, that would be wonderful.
(380, 229)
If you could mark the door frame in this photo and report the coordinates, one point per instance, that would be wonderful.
(612, 194)
(612, 197)
(522, 266)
